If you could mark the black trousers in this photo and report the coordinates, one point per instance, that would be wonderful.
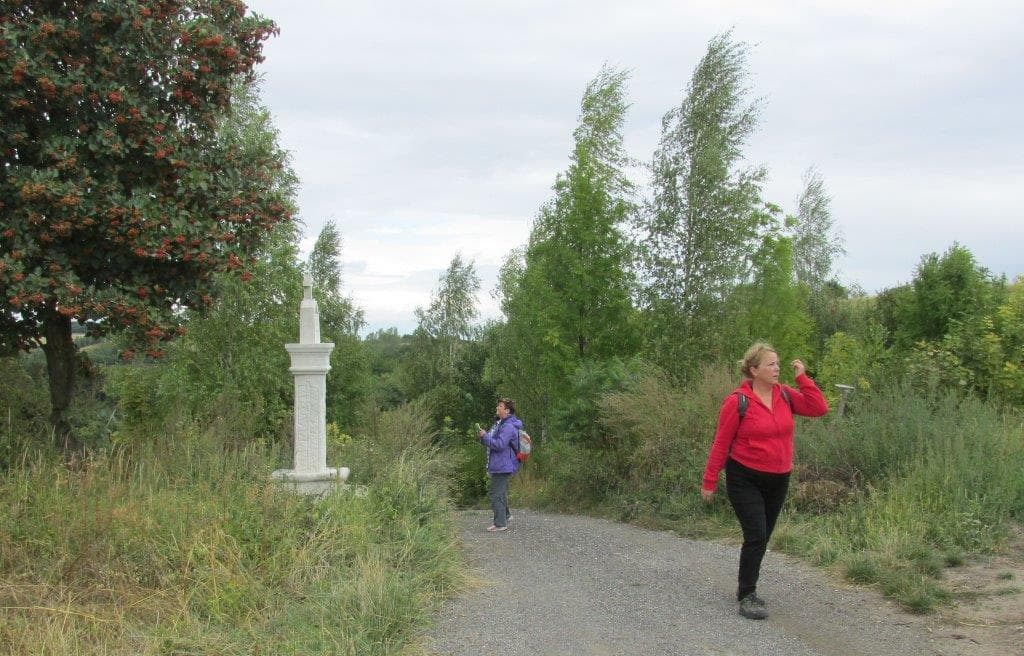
(757, 498)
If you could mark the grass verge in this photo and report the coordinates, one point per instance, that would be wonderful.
(188, 548)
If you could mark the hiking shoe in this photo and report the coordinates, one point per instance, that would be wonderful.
(753, 607)
(495, 529)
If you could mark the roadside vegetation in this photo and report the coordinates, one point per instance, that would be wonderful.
(906, 484)
(180, 544)
(136, 506)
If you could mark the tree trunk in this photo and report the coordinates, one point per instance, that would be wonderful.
(60, 366)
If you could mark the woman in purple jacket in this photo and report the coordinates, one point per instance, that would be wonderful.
(501, 459)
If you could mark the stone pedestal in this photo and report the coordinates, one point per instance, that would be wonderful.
(310, 364)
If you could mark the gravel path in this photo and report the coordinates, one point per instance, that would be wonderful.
(558, 585)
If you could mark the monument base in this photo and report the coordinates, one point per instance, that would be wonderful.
(312, 483)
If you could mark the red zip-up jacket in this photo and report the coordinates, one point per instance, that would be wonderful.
(764, 439)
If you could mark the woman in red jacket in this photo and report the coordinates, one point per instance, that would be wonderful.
(756, 450)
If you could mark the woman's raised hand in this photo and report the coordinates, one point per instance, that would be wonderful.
(798, 367)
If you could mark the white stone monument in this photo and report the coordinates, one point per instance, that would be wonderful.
(310, 364)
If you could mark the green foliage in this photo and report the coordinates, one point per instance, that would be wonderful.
(469, 463)
(614, 457)
(128, 182)
(816, 245)
(774, 305)
(348, 381)
(528, 360)
(876, 441)
(1008, 327)
(815, 242)
(449, 318)
(577, 418)
(349, 386)
(568, 297)
(184, 546)
(955, 324)
(337, 312)
(227, 354)
(852, 360)
(704, 221)
(443, 360)
(386, 350)
(947, 290)
(23, 410)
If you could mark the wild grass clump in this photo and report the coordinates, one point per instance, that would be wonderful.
(908, 483)
(183, 545)
(958, 485)
(877, 439)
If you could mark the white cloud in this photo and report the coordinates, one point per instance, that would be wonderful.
(426, 129)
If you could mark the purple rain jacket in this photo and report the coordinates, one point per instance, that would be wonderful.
(501, 459)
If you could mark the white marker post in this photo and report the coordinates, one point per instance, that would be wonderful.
(845, 390)
(311, 360)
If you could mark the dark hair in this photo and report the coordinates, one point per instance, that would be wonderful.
(508, 403)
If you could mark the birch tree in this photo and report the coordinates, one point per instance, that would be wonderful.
(701, 226)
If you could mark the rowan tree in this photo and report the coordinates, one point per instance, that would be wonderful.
(121, 190)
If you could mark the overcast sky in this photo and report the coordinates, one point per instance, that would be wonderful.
(424, 129)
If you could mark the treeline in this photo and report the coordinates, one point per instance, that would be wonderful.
(684, 273)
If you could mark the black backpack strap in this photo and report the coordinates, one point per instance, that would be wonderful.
(741, 404)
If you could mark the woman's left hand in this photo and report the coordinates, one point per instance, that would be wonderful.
(798, 367)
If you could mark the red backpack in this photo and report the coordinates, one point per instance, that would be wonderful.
(523, 445)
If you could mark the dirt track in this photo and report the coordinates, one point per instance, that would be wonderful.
(573, 586)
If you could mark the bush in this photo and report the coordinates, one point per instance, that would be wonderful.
(639, 453)
(24, 407)
(25, 403)
(877, 438)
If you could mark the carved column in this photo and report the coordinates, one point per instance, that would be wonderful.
(310, 364)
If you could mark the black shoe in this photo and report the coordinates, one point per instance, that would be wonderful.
(753, 607)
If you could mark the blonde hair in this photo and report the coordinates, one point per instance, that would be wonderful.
(754, 356)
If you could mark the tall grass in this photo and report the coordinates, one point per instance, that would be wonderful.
(184, 546)
(907, 484)
(959, 483)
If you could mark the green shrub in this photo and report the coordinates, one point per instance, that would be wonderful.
(877, 439)
(24, 407)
